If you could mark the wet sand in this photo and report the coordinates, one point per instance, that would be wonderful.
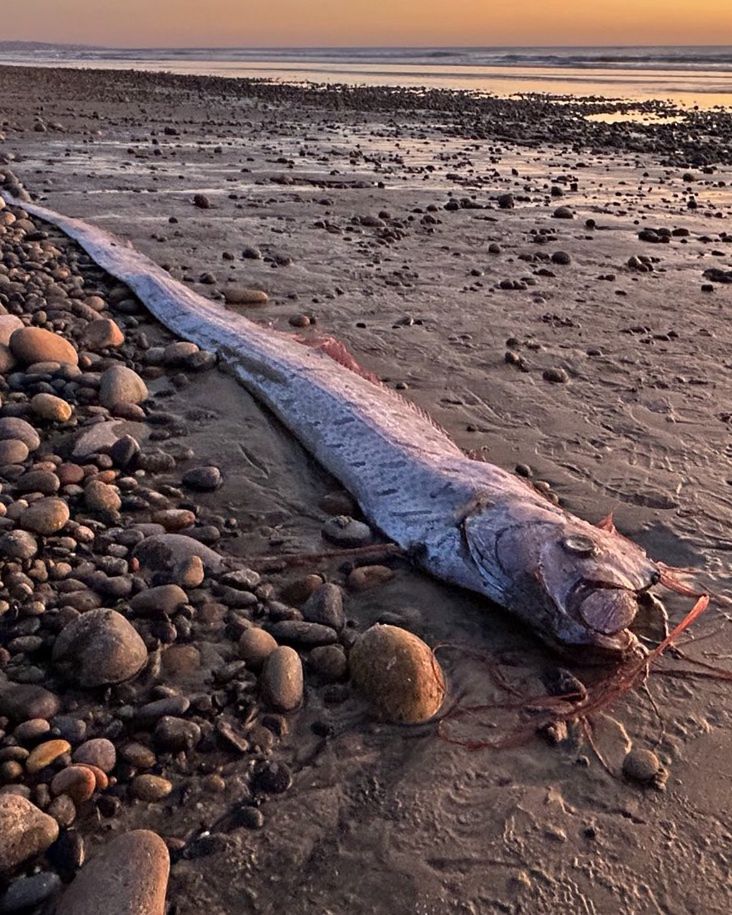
(377, 221)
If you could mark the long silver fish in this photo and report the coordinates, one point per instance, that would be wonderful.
(464, 521)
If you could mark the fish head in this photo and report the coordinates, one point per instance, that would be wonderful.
(576, 584)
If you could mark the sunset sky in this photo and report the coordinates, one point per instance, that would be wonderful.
(367, 22)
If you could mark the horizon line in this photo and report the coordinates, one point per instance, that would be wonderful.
(338, 47)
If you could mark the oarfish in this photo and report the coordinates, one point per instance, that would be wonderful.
(465, 521)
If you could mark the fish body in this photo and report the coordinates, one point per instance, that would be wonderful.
(467, 522)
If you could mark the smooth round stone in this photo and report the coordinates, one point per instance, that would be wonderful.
(176, 734)
(121, 385)
(151, 788)
(34, 344)
(98, 752)
(21, 701)
(642, 766)
(101, 497)
(174, 519)
(103, 334)
(25, 831)
(397, 673)
(51, 408)
(243, 295)
(28, 892)
(282, 680)
(138, 755)
(163, 552)
(12, 451)
(346, 532)
(205, 479)
(32, 730)
(45, 754)
(13, 427)
(8, 325)
(179, 352)
(7, 360)
(162, 600)
(364, 578)
(18, 545)
(99, 648)
(325, 606)
(46, 516)
(128, 877)
(42, 481)
(329, 661)
(255, 646)
(77, 782)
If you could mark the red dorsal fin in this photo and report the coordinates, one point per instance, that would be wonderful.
(607, 524)
(339, 353)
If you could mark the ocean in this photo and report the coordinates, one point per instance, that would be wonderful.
(692, 75)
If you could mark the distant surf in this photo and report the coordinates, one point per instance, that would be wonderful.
(686, 75)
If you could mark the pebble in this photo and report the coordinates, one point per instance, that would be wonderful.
(161, 600)
(556, 376)
(162, 552)
(51, 408)
(325, 606)
(128, 877)
(18, 545)
(98, 752)
(25, 831)
(344, 531)
(643, 766)
(364, 578)
(205, 479)
(21, 701)
(28, 892)
(120, 385)
(397, 673)
(101, 497)
(98, 648)
(45, 754)
(76, 782)
(13, 451)
(103, 333)
(255, 646)
(303, 633)
(176, 734)
(282, 680)
(34, 344)
(201, 201)
(12, 427)
(46, 516)
(8, 325)
(329, 662)
(241, 295)
(563, 213)
(151, 788)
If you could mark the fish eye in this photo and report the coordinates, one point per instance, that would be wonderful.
(579, 545)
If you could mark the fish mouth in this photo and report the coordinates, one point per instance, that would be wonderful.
(605, 608)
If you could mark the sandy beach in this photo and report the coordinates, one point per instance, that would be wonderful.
(553, 289)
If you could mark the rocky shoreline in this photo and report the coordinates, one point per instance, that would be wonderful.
(554, 295)
(109, 581)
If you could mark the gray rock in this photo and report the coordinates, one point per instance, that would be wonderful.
(21, 701)
(163, 552)
(282, 680)
(99, 648)
(302, 633)
(325, 606)
(121, 385)
(28, 892)
(128, 877)
(345, 532)
(13, 427)
(25, 831)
